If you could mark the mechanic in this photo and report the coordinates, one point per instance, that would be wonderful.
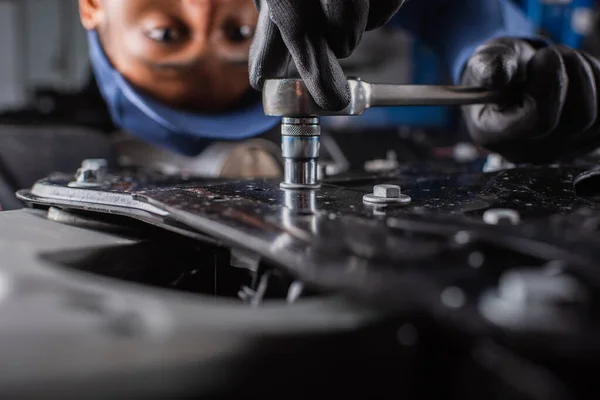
(173, 74)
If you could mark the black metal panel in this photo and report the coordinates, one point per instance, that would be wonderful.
(395, 255)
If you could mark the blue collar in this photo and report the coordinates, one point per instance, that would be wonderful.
(149, 120)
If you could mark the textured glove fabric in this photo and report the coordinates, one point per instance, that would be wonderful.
(550, 111)
(313, 34)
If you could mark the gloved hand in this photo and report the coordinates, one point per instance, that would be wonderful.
(315, 33)
(552, 112)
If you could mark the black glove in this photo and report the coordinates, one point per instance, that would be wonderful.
(551, 111)
(315, 33)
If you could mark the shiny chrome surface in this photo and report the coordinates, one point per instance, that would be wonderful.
(291, 98)
(300, 174)
(300, 202)
(300, 145)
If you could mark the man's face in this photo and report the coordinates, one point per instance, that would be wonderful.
(188, 54)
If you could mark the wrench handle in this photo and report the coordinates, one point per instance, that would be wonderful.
(430, 95)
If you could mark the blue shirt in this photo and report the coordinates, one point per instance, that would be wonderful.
(454, 28)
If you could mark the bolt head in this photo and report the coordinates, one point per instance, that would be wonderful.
(94, 164)
(85, 175)
(387, 191)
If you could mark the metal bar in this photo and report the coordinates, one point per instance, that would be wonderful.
(427, 95)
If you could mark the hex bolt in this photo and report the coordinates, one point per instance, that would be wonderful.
(91, 174)
(94, 163)
(386, 194)
(85, 175)
(387, 191)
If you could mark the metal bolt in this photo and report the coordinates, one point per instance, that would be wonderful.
(94, 164)
(91, 174)
(386, 194)
(387, 191)
(85, 175)
(501, 216)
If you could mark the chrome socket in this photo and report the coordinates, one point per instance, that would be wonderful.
(300, 146)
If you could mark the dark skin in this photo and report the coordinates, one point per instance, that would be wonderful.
(188, 54)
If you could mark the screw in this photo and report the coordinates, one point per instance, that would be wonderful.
(386, 194)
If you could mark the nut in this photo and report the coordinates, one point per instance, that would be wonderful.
(387, 191)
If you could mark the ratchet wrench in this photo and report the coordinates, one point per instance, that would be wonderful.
(300, 125)
(291, 98)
